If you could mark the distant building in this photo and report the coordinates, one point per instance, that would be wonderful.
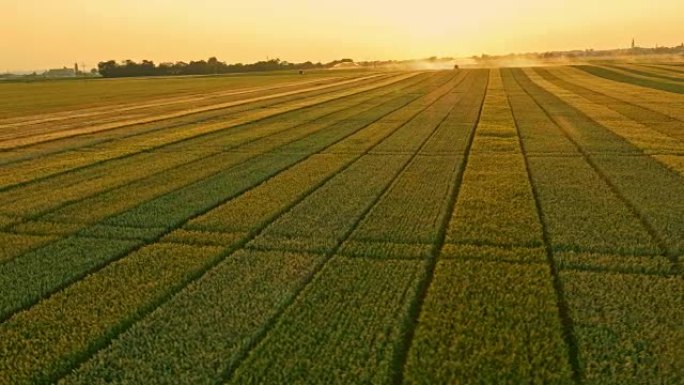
(60, 73)
(633, 46)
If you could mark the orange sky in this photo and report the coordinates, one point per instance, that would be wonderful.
(37, 34)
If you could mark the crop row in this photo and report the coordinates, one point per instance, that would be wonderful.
(321, 90)
(491, 321)
(657, 121)
(628, 326)
(406, 221)
(625, 77)
(41, 124)
(638, 134)
(34, 197)
(647, 71)
(495, 205)
(212, 355)
(320, 338)
(84, 142)
(647, 188)
(310, 227)
(176, 207)
(665, 103)
(316, 225)
(409, 213)
(579, 209)
(42, 167)
(60, 360)
(60, 333)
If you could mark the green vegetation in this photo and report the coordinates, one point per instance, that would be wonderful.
(487, 322)
(621, 76)
(628, 326)
(469, 226)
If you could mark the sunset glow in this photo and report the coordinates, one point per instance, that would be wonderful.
(38, 34)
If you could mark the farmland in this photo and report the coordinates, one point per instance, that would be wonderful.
(504, 226)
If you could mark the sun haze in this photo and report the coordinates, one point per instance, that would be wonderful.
(38, 34)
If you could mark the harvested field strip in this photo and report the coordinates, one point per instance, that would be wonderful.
(12, 142)
(654, 120)
(628, 326)
(208, 370)
(638, 134)
(100, 178)
(111, 118)
(627, 176)
(665, 103)
(20, 173)
(497, 322)
(625, 77)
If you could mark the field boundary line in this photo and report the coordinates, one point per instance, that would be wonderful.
(410, 323)
(258, 338)
(567, 323)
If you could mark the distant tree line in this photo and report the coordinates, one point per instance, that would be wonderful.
(127, 68)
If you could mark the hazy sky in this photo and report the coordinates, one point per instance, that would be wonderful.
(36, 34)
